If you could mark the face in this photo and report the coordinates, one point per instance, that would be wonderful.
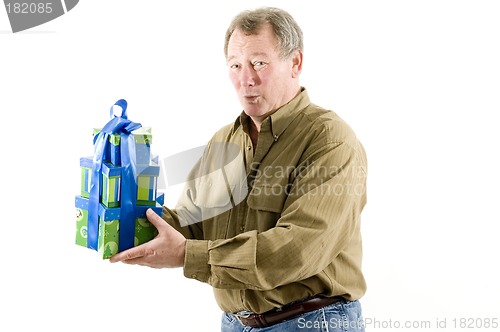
(262, 80)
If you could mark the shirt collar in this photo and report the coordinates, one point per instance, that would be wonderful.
(282, 117)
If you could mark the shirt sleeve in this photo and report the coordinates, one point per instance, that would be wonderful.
(319, 217)
(194, 231)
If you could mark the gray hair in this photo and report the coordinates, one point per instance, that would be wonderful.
(286, 29)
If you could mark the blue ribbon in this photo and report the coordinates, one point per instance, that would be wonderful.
(124, 127)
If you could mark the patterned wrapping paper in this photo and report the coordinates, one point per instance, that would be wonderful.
(109, 226)
(118, 185)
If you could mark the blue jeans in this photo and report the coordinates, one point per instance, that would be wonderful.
(340, 316)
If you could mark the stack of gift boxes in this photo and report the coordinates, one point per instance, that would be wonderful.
(147, 171)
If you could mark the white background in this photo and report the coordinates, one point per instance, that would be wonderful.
(418, 81)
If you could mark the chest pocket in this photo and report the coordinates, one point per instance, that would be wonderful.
(270, 189)
(264, 208)
(268, 197)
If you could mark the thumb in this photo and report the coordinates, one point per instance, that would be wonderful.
(155, 219)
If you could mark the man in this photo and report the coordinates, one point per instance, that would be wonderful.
(282, 252)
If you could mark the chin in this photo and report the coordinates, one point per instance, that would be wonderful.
(253, 110)
(253, 113)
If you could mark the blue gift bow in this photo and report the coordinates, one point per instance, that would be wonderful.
(124, 127)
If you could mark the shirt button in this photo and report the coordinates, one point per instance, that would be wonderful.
(242, 228)
(194, 276)
(249, 147)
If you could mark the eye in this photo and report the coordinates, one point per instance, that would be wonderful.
(234, 66)
(259, 64)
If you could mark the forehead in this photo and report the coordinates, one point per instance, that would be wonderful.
(262, 41)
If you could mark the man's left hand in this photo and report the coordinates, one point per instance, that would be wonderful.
(167, 249)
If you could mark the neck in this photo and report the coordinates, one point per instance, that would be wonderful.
(255, 123)
(254, 129)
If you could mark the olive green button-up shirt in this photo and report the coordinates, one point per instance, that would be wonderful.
(296, 231)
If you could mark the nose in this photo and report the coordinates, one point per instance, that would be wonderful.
(248, 76)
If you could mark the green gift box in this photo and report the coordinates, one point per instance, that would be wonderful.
(109, 231)
(111, 185)
(112, 153)
(143, 139)
(147, 182)
(86, 176)
(82, 217)
(109, 235)
(109, 226)
(144, 231)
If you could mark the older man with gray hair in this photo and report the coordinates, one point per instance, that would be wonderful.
(282, 252)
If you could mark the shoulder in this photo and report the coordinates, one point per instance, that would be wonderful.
(225, 133)
(328, 134)
(328, 126)
(224, 141)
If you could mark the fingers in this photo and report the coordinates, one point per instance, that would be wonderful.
(142, 261)
(130, 254)
(167, 249)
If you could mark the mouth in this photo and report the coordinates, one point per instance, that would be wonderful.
(250, 98)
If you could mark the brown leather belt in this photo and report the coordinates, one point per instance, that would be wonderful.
(288, 311)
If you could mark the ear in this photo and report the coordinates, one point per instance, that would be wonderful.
(296, 63)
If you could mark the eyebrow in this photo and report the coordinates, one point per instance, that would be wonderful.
(253, 55)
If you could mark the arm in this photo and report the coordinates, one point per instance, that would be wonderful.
(194, 231)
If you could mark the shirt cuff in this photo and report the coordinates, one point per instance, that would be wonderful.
(196, 260)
